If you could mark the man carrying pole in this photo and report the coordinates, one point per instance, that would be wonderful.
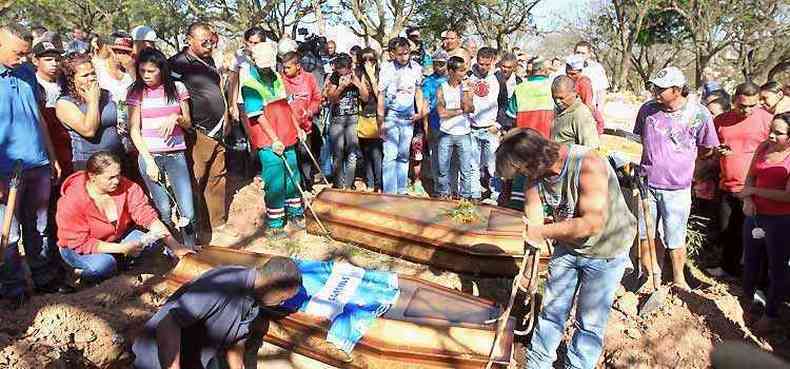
(592, 232)
(274, 132)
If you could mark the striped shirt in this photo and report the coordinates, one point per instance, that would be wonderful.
(155, 110)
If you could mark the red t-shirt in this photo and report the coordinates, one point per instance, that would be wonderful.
(743, 135)
(771, 176)
(539, 120)
(585, 91)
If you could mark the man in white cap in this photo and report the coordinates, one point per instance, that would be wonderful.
(142, 37)
(672, 127)
(574, 68)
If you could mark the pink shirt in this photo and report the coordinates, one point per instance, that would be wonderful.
(155, 110)
(772, 176)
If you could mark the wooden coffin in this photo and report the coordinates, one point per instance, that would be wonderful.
(430, 327)
(419, 230)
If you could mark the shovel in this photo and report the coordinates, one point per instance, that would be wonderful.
(8, 215)
(659, 294)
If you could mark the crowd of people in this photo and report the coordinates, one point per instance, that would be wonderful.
(123, 151)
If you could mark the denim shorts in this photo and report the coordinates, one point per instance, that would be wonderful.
(670, 211)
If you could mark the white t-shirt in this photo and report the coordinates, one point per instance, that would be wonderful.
(459, 124)
(399, 83)
(118, 88)
(485, 94)
(52, 91)
(597, 75)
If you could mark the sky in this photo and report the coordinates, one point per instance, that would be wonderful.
(550, 13)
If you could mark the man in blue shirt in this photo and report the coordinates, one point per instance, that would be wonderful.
(24, 139)
(429, 88)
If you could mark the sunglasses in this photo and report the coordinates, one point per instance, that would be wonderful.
(659, 90)
(369, 59)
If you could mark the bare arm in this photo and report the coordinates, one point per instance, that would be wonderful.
(135, 133)
(593, 197)
(362, 85)
(85, 124)
(235, 355)
(168, 342)
(185, 119)
(380, 110)
(333, 92)
(441, 107)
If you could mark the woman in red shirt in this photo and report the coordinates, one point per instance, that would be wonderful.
(766, 204)
(98, 214)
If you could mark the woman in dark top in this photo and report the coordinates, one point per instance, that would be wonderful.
(370, 143)
(88, 112)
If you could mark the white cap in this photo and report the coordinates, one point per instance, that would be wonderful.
(286, 45)
(265, 54)
(143, 33)
(575, 62)
(669, 77)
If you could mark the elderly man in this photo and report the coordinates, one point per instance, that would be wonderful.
(592, 229)
(672, 128)
(573, 121)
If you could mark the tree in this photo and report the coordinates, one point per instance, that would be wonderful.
(379, 20)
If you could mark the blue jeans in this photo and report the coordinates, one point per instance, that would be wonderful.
(460, 146)
(670, 211)
(397, 133)
(774, 248)
(96, 267)
(484, 145)
(325, 155)
(31, 215)
(174, 165)
(595, 281)
(345, 149)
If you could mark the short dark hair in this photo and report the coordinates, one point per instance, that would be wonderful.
(784, 116)
(342, 60)
(397, 43)
(100, 161)
(524, 151)
(411, 29)
(255, 31)
(18, 30)
(563, 83)
(486, 53)
(290, 56)
(724, 102)
(508, 57)
(747, 88)
(355, 49)
(282, 274)
(583, 43)
(455, 62)
(197, 25)
(771, 86)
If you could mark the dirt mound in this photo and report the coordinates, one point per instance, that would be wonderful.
(94, 328)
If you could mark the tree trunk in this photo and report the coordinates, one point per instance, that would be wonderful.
(319, 16)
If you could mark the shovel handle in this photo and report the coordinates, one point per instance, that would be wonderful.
(649, 229)
(8, 214)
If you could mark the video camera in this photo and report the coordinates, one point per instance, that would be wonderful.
(313, 45)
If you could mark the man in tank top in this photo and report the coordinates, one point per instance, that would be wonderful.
(592, 233)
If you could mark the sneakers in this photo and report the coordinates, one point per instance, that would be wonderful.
(276, 234)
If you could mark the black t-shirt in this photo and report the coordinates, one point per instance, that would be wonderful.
(201, 78)
(348, 104)
(214, 311)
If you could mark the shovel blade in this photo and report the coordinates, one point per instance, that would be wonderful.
(654, 302)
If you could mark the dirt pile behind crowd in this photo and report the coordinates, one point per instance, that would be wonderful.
(94, 328)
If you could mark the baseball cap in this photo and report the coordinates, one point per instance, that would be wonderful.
(669, 77)
(46, 47)
(265, 54)
(443, 35)
(440, 55)
(575, 61)
(120, 42)
(143, 33)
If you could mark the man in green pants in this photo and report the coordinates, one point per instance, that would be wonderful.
(274, 131)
